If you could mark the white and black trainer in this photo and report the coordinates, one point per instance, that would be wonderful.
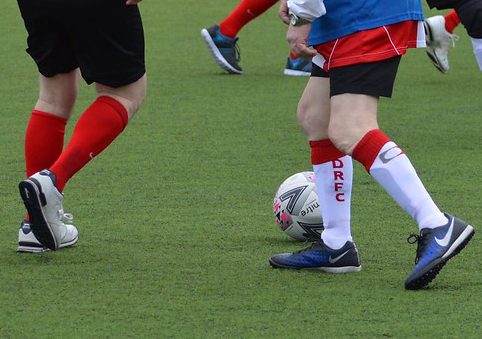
(44, 205)
(28, 243)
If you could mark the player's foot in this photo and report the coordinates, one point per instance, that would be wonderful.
(298, 67)
(320, 257)
(44, 205)
(434, 248)
(224, 49)
(28, 243)
(438, 42)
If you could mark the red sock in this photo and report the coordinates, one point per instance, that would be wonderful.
(369, 146)
(452, 20)
(98, 126)
(293, 56)
(246, 11)
(323, 151)
(44, 140)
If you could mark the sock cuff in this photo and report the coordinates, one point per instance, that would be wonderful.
(323, 151)
(117, 106)
(50, 116)
(452, 20)
(369, 146)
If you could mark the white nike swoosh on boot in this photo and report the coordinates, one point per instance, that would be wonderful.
(445, 240)
(334, 260)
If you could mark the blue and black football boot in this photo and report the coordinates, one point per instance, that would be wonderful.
(320, 257)
(434, 248)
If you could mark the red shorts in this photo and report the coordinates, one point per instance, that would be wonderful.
(372, 45)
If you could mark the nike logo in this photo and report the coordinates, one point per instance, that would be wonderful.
(334, 260)
(445, 240)
(390, 154)
(91, 155)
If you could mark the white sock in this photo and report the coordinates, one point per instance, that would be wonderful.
(394, 172)
(477, 45)
(334, 180)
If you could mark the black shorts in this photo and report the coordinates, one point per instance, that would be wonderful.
(442, 4)
(104, 38)
(469, 12)
(374, 78)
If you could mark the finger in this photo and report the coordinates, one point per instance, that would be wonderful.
(283, 14)
(285, 18)
(307, 52)
(301, 50)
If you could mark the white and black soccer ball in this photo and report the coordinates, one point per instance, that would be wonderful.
(297, 209)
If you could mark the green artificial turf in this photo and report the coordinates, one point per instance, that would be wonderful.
(175, 217)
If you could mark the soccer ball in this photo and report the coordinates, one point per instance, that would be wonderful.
(297, 209)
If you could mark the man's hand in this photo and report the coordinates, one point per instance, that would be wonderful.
(284, 12)
(297, 37)
(132, 2)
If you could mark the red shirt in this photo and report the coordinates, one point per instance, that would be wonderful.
(371, 45)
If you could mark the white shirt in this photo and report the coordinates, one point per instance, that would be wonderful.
(307, 9)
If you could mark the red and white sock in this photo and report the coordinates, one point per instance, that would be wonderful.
(98, 126)
(391, 168)
(246, 11)
(334, 179)
(44, 141)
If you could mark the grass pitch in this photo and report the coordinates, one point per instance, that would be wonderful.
(175, 217)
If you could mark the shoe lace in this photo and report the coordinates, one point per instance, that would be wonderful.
(237, 51)
(421, 242)
(313, 244)
(68, 218)
(454, 38)
(65, 217)
(450, 38)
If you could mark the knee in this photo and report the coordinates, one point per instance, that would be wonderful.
(139, 92)
(58, 94)
(60, 104)
(130, 96)
(303, 115)
(133, 103)
(339, 139)
(344, 138)
(313, 120)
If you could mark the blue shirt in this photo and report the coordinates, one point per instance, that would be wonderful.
(344, 17)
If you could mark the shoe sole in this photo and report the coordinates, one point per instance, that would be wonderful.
(33, 199)
(455, 249)
(30, 248)
(218, 57)
(296, 73)
(344, 269)
(430, 51)
(25, 247)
